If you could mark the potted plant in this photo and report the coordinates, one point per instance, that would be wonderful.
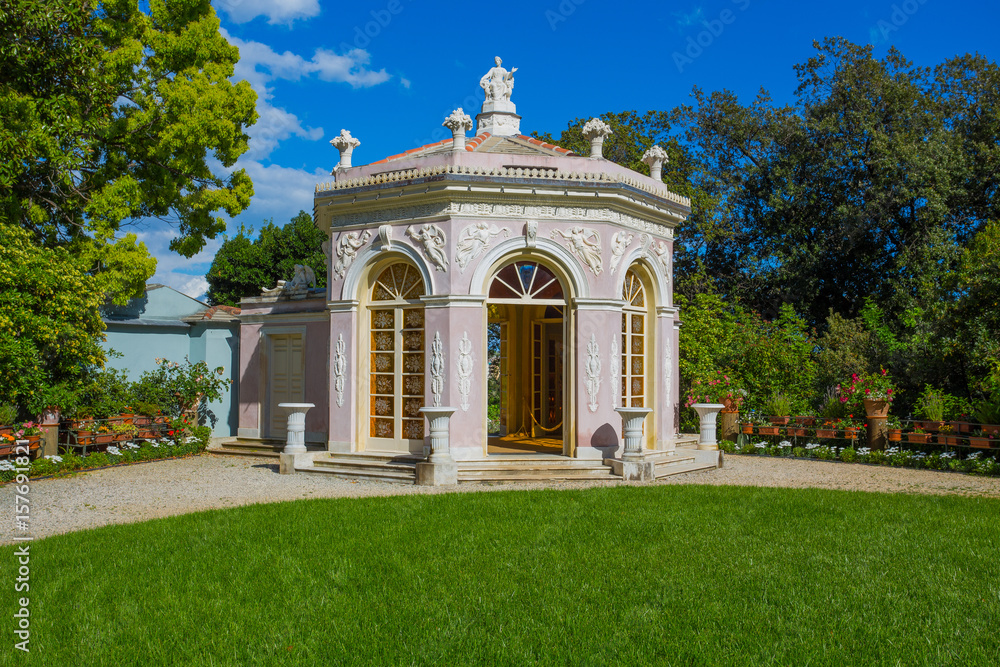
(8, 417)
(918, 435)
(946, 435)
(31, 432)
(849, 426)
(826, 429)
(104, 435)
(980, 439)
(930, 407)
(987, 414)
(6, 444)
(894, 431)
(874, 392)
(780, 409)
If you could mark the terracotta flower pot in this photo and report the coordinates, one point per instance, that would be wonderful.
(797, 431)
(953, 440)
(805, 421)
(6, 449)
(6, 430)
(126, 417)
(852, 432)
(767, 430)
(895, 435)
(920, 438)
(876, 408)
(826, 433)
(747, 430)
(962, 427)
(105, 438)
(979, 442)
(779, 421)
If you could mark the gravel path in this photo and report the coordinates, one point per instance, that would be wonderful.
(135, 493)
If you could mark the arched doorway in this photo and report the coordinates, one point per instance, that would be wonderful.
(394, 329)
(527, 370)
(637, 344)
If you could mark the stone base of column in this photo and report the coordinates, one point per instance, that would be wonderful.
(633, 470)
(286, 464)
(50, 440)
(877, 432)
(437, 474)
(730, 423)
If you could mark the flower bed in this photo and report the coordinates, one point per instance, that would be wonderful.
(976, 463)
(178, 444)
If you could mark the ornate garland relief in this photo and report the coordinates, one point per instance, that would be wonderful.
(437, 368)
(465, 364)
(432, 238)
(593, 371)
(615, 363)
(619, 244)
(586, 243)
(340, 369)
(475, 239)
(668, 376)
(531, 233)
(349, 244)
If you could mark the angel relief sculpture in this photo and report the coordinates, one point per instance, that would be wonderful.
(431, 237)
(473, 240)
(586, 243)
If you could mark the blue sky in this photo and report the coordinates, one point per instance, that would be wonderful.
(390, 71)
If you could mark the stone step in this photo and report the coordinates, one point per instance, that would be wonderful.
(681, 468)
(229, 451)
(548, 469)
(385, 467)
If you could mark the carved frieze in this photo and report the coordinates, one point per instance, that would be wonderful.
(465, 365)
(473, 240)
(432, 239)
(593, 372)
(437, 368)
(586, 244)
(340, 369)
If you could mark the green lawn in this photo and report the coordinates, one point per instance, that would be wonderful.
(668, 575)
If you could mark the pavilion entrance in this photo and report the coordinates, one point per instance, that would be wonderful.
(527, 369)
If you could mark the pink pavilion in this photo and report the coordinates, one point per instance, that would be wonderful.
(498, 308)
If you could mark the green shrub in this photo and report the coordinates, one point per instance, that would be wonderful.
(800, 452)
(727, 446)
(849, 455)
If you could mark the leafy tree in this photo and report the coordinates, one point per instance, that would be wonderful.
(50, 328)
(110, 113)
(243, 266)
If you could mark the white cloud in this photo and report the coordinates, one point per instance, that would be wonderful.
(259, 64)
(276, 11)
(172, 269)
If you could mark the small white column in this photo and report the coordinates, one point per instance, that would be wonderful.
(295, 435)
(440, 468)
(655, 157)
(459, 123)
(708, 413)
(346, 144)
(596, 131)
(634, 464)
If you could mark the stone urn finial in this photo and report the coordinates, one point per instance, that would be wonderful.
(346, 144)
(596, 131)
(459, 123)
(655, 157)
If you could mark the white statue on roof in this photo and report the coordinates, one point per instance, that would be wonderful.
(498, 83)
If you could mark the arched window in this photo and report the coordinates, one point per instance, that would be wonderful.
(634, 341)
(526, 281)
(397, 355)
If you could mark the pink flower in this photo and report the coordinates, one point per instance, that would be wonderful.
(885, 372)
(843, 399)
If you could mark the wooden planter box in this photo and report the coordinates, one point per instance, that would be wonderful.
(919, 438)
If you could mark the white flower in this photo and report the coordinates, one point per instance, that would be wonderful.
(760, 445)
(6, 464)
(114, 451)
(55, 458)
(812, 445)
(947, 455)
(784, 443)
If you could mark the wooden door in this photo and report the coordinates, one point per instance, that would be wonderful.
(286, 382)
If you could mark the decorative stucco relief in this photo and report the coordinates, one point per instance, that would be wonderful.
(531, 233)
(432, 239)
(475, 239)
(619, 244)
(593, 371)
(437, 369)
(586, 243)
(497, 210)
(465, 364)
(340, 369)
(348, 247)
(615, 367)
